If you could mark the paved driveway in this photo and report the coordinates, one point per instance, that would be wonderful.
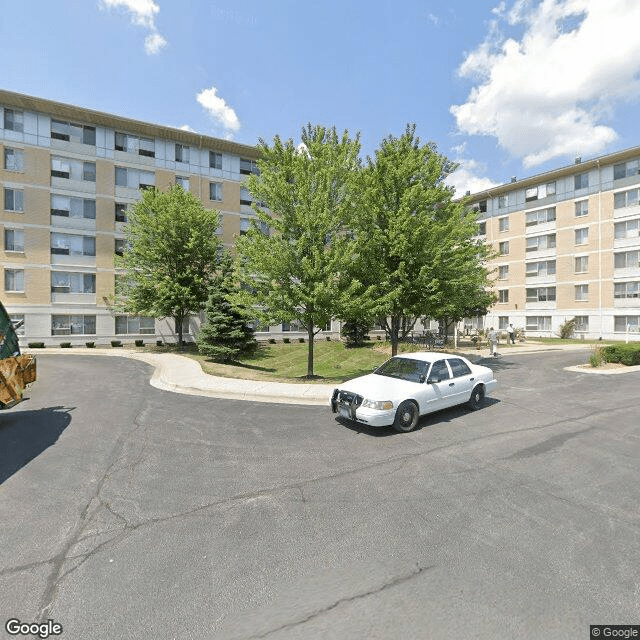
(128, 512)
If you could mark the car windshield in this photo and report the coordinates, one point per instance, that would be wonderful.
(404, 369)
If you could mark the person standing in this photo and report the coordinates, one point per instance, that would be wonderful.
(493, 341)
(512, 333)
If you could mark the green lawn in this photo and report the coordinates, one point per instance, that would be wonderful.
(288, 362)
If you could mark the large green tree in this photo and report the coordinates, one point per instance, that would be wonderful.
(170, 258)
(413, 240)
(299, 269)
(226, 333)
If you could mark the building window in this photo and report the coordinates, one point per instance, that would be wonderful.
(482, 228)
(627, 229)
(581, 181)
(625, 199)
(626, 169)
(73, 169)
(73, 132)
(134, 179)
(13, 120)
(539, 192)
(245, 196)
(13, 159)
(540, 243)
(249, 166)
(541, 294)
(543, 268)
(183, 182)
(480, 206)
(582, 235)
(582, 208)
(503, 272)
(582, 292)
(134, 144)
(503, 296)
(503, 323)
(68, 207)
(245, 223)
(538, 323)
(72, 245)
(14, 240)
(182, 153)
(503, 223)
(622, 324)
(135, 325)
(72, 282)
(540, 216)
(626, 260)
(121, 212)
(17, 320)
(14, 280)
(215, 160)
(14, 200)
(120, 246)
(502, 202)
(581, 324)
(626, 290)
(215, 191)
(503, 248)
(581, 264)
(63, 325)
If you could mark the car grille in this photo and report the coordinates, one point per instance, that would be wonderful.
(347, 397)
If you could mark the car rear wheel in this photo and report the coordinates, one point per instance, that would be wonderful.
(406, 417)
(477, 398)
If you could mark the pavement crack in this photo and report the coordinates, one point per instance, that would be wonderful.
(359, 596)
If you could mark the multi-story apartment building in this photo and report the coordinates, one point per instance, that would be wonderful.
(67, 176)
(569, 247)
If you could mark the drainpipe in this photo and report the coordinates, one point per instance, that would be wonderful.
(600, 245)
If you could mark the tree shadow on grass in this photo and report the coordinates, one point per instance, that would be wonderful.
(24, 435)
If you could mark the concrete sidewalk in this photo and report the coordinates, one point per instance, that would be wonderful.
(181, 374)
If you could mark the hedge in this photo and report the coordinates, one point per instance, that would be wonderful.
(628, 354)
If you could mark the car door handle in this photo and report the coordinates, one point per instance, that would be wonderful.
(452, 384)
(472, 379)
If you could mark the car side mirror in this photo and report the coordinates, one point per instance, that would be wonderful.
(433, 379)
(422, 378)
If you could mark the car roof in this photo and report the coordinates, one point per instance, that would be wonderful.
(427, 356)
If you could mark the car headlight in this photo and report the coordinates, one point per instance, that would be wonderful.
(379, 405)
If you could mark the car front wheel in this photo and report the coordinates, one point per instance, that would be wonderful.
(477, 398)
(406, 417)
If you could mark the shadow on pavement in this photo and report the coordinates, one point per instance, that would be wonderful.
(24, 435)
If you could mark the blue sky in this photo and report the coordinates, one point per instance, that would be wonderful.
(509, 88)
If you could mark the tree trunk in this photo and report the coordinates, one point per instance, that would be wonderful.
(393, 334)
(178, 319)
(310, 351)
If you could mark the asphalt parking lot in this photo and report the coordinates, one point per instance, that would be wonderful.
(129, 512)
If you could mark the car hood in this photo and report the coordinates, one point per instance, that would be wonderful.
(375, 387)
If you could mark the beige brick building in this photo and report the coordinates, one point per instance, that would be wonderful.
(569, 241)
(66, 179)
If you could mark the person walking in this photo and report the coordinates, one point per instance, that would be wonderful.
(512, 333)
(493, 341)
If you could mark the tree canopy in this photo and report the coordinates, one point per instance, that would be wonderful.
(171, 255)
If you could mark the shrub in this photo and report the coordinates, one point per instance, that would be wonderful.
(628, 354)
(65, 345)
(36, 345)
(90, 345)
(300, 340)
(354, 332)
(328, 338)
(567, 329)
(159, 343)
(116, 343)
(286, 340)
(595, 359)
(139, 343)
(272, 340)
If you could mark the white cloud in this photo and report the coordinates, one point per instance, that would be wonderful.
(219, 110)
(143, 14)
(186, 127)
(467, 177)
(549, 93)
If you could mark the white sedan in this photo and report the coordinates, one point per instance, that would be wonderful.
(409, 385)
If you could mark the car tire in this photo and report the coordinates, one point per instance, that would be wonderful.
(406, 417)
(476, 401)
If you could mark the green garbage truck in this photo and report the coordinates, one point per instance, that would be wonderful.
(16, 371)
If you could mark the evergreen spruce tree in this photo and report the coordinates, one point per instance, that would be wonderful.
(226, 334)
